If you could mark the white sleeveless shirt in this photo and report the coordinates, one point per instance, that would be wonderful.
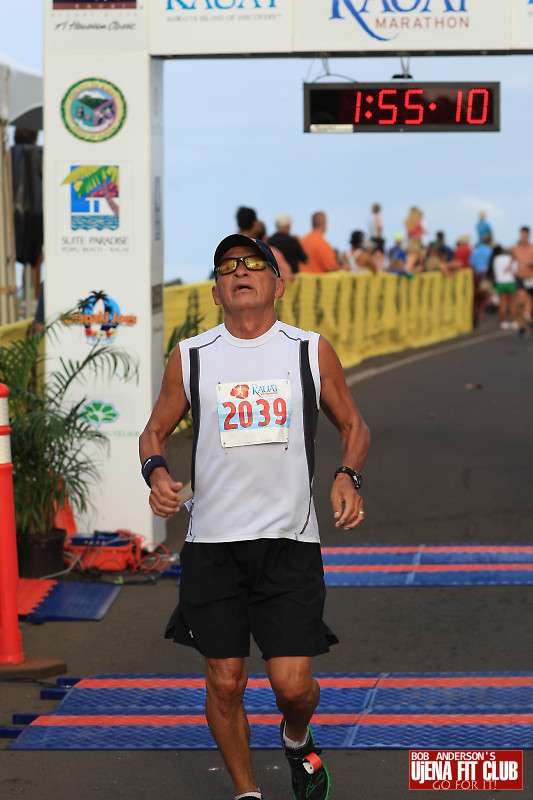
(254, 404)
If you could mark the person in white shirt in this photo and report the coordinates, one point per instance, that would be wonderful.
(504, 270)
(251, 562)
(359, 258)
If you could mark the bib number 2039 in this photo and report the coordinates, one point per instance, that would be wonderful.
(266, 412)
(254, 412)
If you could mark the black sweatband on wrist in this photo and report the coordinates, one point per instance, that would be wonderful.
(150, 464)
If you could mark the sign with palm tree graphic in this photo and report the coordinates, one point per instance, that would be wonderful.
(94, 209)
(93, 197)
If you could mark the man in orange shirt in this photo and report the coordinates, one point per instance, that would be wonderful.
(321, 255)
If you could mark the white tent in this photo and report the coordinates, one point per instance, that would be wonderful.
(21, 103)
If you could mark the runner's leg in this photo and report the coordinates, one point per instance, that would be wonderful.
(523, 305)
(512, 307)
(502, 308)
(226, 680)
(297, 692)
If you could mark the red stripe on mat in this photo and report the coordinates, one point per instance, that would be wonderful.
(199, 683)
(30, 593)
(329, 683)
(432, 549)
(456, 682)
(446, 719)
(143, 683)
(105, 720)
(426, 567)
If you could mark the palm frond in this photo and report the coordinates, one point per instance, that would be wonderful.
(56, 452)
(82, 173)
(101, 361)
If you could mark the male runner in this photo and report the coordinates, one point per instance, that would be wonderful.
(251, 562)
(523, 255)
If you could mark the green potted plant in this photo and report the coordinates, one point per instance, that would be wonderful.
(53, 445)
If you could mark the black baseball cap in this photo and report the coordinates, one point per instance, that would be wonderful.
(240, 240)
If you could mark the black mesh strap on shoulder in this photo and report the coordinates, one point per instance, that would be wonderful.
(194, 385)
(309, 407)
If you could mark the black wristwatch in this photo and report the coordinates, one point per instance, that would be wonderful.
(355, 476)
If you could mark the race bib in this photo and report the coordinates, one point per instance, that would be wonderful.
(254, 412)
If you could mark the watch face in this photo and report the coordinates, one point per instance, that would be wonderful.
(358, 481)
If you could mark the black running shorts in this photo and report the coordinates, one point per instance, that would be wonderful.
(271, 588)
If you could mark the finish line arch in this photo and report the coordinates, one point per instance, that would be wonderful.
(103, 73)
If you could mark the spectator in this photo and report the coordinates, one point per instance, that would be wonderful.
(247, 221)
(503, 269)
(483, 228)
(288, 244)
(285, 270)
(414, 226)
(376, 228)
(397, 252)
(463, 251)
(415, 256)
(359, 258)
(435, 259)
(446, 251)
(321, 255)
(397, 267)
(479, 261)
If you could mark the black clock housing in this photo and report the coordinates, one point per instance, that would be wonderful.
(407, 106)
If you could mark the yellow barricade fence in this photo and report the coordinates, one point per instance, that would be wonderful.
(362, 315)
(14, 331)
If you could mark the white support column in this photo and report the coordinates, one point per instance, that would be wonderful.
(103, 232)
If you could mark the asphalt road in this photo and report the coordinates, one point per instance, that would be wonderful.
(448, 464)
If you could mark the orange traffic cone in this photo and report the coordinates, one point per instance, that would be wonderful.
(13, 662)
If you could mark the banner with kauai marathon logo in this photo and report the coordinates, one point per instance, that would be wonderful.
(351, 27)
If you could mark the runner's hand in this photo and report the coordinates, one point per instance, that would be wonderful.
(164, 497)
(347, 503)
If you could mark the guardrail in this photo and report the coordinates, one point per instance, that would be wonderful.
(362, 315)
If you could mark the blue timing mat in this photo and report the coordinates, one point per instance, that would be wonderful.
(75, 601)
(427, 711)
(428, 565)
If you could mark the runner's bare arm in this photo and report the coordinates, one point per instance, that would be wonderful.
(341, 409)
(170, 408)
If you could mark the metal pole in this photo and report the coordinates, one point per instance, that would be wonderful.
(10, 241)
(27, 291)
(4, 319)
(8, 286)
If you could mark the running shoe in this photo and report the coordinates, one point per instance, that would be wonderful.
(310, 778)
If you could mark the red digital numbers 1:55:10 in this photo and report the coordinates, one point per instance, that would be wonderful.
(402, 106)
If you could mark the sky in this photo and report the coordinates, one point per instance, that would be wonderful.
(234, 136)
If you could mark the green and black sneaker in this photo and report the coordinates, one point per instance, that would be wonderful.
(310, 778)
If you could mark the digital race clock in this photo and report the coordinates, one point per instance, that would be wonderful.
(401, 106)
